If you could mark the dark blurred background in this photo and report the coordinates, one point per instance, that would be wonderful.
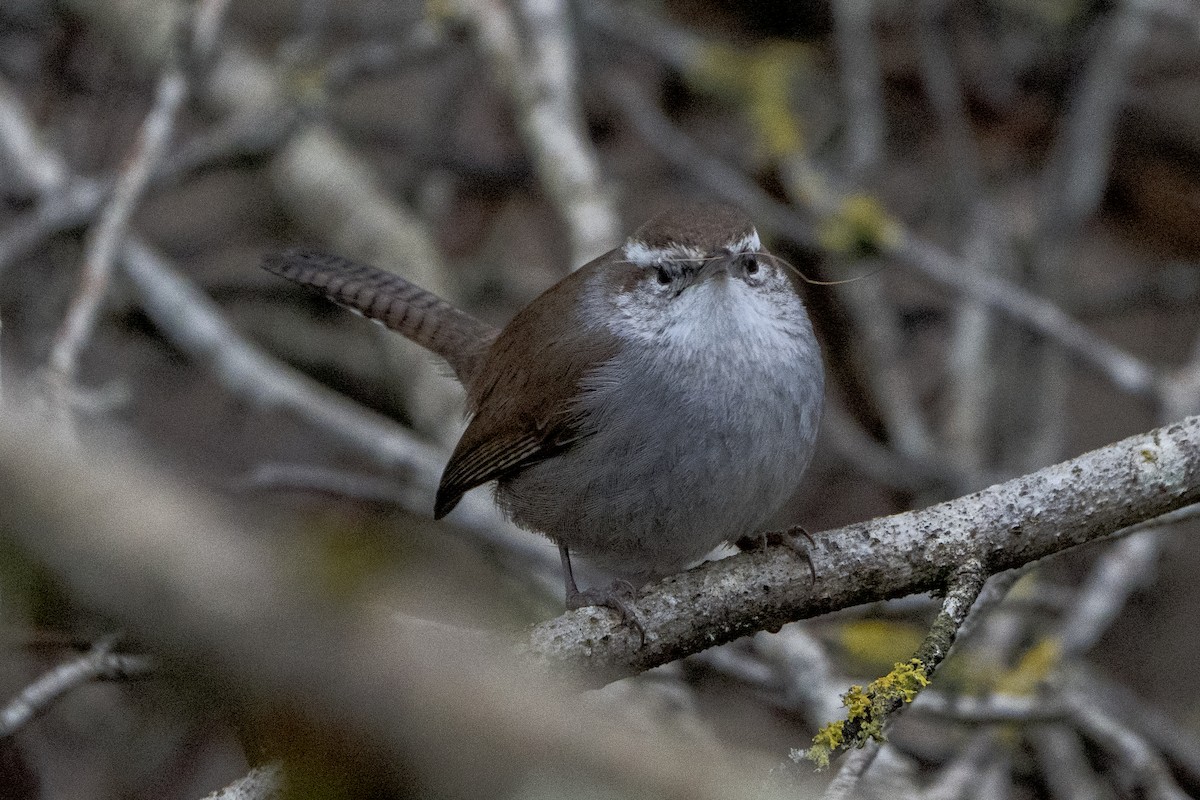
(484, 150)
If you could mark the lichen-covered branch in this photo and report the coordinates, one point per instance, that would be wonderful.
(1005, 526)
(871, 708)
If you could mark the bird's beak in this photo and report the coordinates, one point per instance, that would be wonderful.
(713, 267)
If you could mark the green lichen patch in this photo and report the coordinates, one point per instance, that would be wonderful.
(868, 709)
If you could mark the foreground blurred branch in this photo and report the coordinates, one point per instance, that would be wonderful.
(1004, 526)
(435, 703)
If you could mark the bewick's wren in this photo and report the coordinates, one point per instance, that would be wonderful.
(659, 401)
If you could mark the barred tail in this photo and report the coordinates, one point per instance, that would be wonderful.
(404, 307)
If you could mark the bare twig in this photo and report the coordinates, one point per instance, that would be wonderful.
(862, 86)
(961, 778)
(883, 345)
(98, 664)
(316, 479)
(1126, 567)
(539, 74)
(1075, 178)
(1064, 762)
(851, 771)
(261, 783)
(993, 709)
(880, 702)
(1141, 766)
(847, 438)
(36, 167)
(1178, 743)
(970, 376)
(71, 205)
(1125, 371)
(805, 670)
(1073, 183)
(104, 240)
(206, 27)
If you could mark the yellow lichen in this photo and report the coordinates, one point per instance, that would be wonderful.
(760, 79)
(875, 643)
(861, 226)
(1032, 670)
(867, 710)
(827, 742)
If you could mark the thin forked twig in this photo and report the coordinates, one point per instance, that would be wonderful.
(104, 239)
(98, 664)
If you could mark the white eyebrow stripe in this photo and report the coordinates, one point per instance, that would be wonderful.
(644, 255)
(750, 243)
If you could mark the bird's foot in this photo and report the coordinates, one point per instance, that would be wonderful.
(619, 596)
(789, 539)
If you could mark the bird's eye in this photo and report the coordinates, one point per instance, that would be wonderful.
(664, 277)
(751, 264)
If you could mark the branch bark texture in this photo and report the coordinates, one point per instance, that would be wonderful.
(1004, 526)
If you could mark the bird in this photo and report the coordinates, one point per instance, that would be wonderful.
(657, 402)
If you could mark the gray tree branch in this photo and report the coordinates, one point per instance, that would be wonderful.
(1005, 526)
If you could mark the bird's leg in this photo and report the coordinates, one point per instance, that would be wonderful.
(618, 596)
(789, 539)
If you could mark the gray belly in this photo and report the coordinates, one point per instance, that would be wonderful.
(671, 470)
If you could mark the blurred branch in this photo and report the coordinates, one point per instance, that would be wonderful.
(311, 478)
(883, 348)
(1073, 183)
(193, 323)
(100, 663)
(261, 783)
(862, 86)
(33, 166)
(880, 463)
(325, 184)
(76, 200)
(1137, 765)
(963, 775)
(540, 76)
(1064, 762)
(422, 45)
(1178, 743)
(1126, 567)
(970, 378)
(1004, 526)
(854, 766)
(444, 703)
(1125, 371)
(1077, 172)
(104, 239)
